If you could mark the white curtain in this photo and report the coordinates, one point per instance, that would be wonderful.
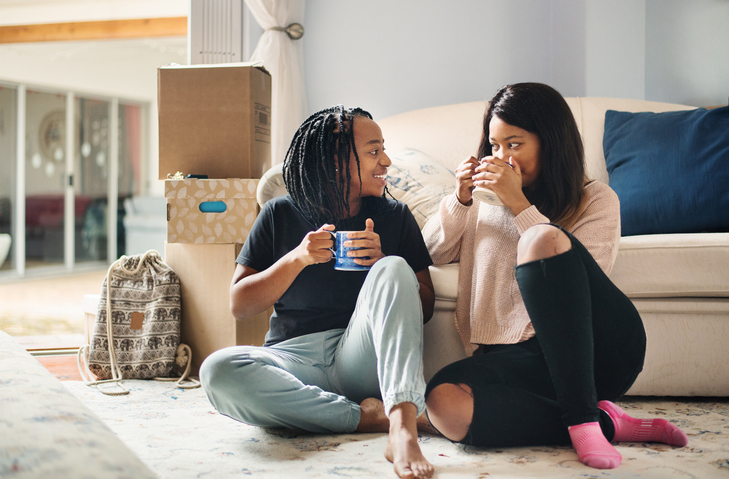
(283, 58)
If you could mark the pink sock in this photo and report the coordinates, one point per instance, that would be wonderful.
(592, 448)
(642, 430)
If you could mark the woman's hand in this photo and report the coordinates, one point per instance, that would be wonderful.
(498, 175)
(369, 241)
(316, 247)
(253, 292)
(504, 179)
(464, 180)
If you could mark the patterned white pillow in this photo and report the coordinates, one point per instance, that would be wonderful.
(419, 181)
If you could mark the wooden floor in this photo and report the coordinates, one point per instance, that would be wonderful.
(47, 313)
(62, 367)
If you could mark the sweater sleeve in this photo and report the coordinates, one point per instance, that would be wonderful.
(598, 226)
(528, 218)
(444, 231)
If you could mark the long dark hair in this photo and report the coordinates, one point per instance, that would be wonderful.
(316, 168)
(558, 191)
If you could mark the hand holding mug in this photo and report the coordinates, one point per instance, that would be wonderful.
(494, 178)
(357, 250)
(464, 179)
(316, 245)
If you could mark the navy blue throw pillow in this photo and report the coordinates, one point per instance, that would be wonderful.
(670, 170)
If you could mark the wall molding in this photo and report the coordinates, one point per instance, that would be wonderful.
(96, 30)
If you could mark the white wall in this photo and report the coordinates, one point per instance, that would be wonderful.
(391, 57)
(568, 47)
(687, 51)
(394, 56)
(615, 48)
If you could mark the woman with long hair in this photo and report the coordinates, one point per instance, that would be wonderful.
(551, 340)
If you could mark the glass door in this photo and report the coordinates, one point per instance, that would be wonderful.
(45, 179)
(64, 191)
(8, 174)
(92, 166)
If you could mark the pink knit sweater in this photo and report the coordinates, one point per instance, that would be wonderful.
(483, 239)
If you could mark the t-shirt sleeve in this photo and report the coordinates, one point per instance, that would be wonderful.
(257, 252)
(412, 246)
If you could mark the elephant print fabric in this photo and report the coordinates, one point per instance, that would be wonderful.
(143, 295)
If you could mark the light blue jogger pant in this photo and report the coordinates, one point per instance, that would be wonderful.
(316, 382)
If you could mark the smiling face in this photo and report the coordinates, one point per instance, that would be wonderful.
(373, 163)
(522, 146)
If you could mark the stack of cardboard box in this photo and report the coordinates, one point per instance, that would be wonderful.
(214, 122)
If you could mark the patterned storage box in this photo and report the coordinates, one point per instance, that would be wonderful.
(210, 211)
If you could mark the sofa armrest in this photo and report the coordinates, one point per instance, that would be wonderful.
(50, 433)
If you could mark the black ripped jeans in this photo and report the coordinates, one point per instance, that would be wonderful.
(589, 346)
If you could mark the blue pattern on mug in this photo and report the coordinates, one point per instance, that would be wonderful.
(344, 262)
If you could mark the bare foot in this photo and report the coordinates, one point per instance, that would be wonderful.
(403, 450)
(372, 417)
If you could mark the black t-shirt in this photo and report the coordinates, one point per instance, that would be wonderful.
(322, 298)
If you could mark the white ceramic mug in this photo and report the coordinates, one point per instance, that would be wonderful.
(485, 195)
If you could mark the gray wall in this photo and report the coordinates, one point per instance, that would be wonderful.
(391, 56)
(687, 51)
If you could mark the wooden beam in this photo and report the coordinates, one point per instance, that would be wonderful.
(99, 30)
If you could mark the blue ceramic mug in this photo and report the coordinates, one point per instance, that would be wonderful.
(342, 261)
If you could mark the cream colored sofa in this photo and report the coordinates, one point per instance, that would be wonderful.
(679, 283)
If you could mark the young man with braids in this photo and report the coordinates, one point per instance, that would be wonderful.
(338, 340)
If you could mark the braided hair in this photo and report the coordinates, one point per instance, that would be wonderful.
(316, 168)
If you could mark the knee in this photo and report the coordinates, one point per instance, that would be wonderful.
(391, 263)
(540, 242)
(450, 410)
(215, 369)
(394, 269)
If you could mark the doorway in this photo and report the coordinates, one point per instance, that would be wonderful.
(62, 193)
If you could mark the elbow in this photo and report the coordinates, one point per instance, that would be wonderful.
(236, 314)
(236, 310)
(239, 307)
(243, 307)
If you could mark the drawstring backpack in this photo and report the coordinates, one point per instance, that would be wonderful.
(141, 295)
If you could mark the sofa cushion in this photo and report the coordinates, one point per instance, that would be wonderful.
(669, 169)
(675, 265)
(419, 181)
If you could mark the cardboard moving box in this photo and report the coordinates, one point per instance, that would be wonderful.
(205, 272)
(214, 120)
(210, 211)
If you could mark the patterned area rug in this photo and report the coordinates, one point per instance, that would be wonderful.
(180, 435)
